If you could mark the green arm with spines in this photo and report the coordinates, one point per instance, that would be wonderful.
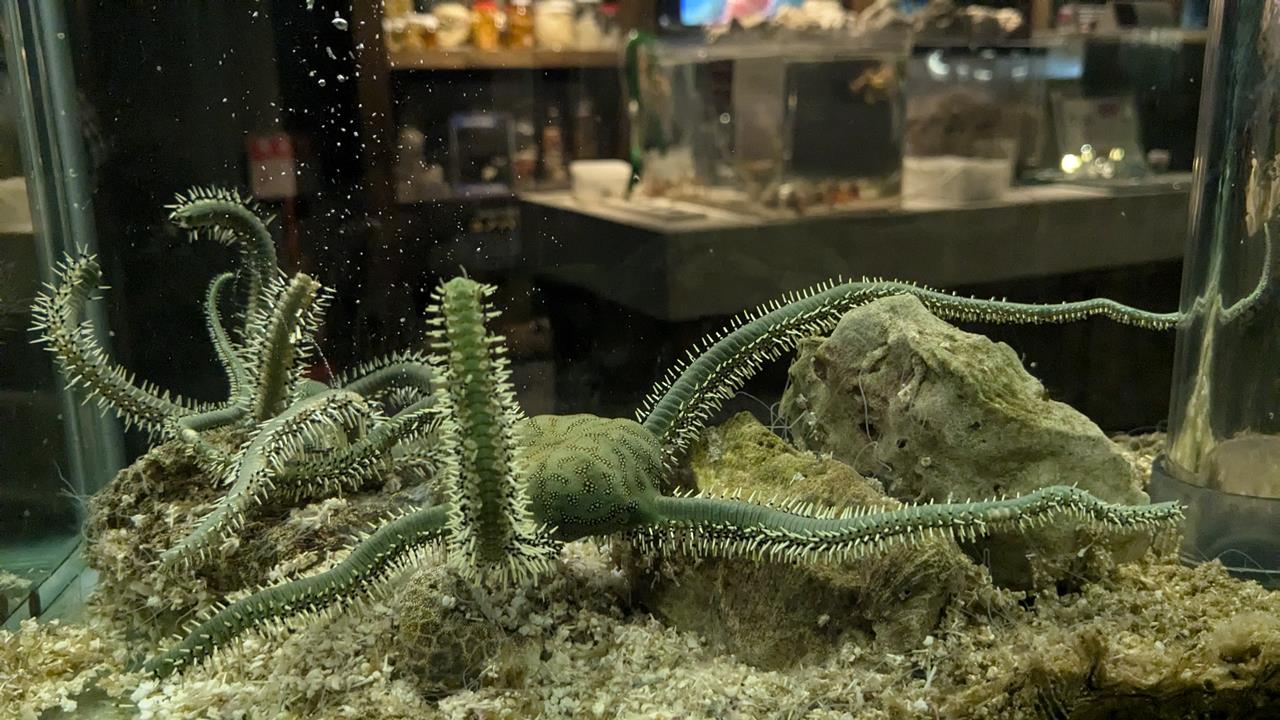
(381, 554)
(694, 390)
(1247, 304)
(408, 371)
(798, 533)
(229, 218)
(492, 532)
(284, 330)
(261, 469)
(58, 317)
(188, 428)
(227, 352)
(353, 465)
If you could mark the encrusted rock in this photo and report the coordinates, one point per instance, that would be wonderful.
(775, 615)
(438, 639)
(938, 413)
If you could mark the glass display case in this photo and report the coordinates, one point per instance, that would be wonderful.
(774, 124)
(975, 119)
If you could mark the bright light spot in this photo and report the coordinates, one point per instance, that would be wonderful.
(1071, 164)
(938, 68)
(1116, 154)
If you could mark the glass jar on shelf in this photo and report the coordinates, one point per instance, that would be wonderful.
(612, 30)
(453, 28)
(554, 169)
(486, 26)
(396, 8)
(519, 35)
(420, 31)
(553, 24)
(396, 32)
(590, 26)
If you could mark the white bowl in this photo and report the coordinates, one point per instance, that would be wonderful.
(596, 179)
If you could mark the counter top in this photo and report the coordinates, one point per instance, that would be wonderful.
(712, 262)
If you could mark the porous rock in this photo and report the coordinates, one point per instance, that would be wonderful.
(938, 413)
(775, 615)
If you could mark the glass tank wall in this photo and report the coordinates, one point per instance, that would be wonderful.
(447, 193)
(55, 452)
(1223, 455)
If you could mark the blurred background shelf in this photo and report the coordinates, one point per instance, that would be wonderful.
(716, 262)
(472, 59)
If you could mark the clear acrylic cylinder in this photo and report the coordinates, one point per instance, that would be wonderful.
(1222, 456)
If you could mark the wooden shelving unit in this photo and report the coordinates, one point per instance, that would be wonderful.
(472, 59)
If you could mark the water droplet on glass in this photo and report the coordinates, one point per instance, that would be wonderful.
(320, 82)
(339, 22)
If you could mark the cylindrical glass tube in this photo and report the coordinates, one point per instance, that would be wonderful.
(1223, 453)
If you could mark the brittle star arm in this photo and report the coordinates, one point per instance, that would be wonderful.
(789, 532)
(405, 371)
(228, 218)
(677, 408)
(263, 465)
(264, 387)
(492, 532)
(58, 317)
(227, 352)
(283, 336)
(188, 428)
(353, 465)
(378, 556)
(717, 367)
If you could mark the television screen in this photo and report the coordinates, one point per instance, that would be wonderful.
(715, 12)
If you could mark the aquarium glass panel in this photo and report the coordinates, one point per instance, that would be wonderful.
(561, 359)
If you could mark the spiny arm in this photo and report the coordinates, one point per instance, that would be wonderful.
(708, 526)
(58, 318)
(492, 530)
(260, 470)
(372, 560)
(278, 350)
(188, 428)
(1245, 305)
(408, 370)
(227, 352)
(351, 466)
(227, 217)
(718, 366)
